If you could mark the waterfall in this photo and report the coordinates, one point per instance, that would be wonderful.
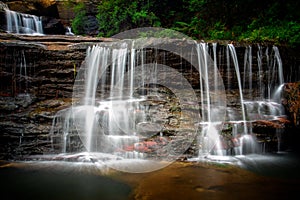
(21, 23)
(120, 103)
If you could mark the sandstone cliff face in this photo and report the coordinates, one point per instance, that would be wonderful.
(35, 7)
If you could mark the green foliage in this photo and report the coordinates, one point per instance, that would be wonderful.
(275, 21)
(115, 16)
(219, 32)
(78, 23)
(286, 32)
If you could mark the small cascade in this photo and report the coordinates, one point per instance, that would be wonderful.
(267, 104)
(69, 31)
(258, 89)
(274, 65)
(22, 23)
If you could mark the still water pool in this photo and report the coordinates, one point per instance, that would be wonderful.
(249, 177)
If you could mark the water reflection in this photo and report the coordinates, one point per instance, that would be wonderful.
(58, 180)
(275, 176)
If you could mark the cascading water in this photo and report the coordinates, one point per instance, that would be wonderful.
(258, 88)
(265, 105)
(22, 23)
(118, 105)
(121, 107)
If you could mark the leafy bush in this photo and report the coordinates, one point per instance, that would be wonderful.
(287, 32)
(80, 19)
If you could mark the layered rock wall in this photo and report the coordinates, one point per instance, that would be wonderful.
(36, 81)
(37, 76)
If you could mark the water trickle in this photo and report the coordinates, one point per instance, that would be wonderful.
(23, 72)
(260, 72)
(62, 131)
(248, 68)
(215, 59)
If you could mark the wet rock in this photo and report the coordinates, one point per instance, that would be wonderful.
(291, 101)
(7, 104)
(11, 128)
(148, 129)
(20, 101)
